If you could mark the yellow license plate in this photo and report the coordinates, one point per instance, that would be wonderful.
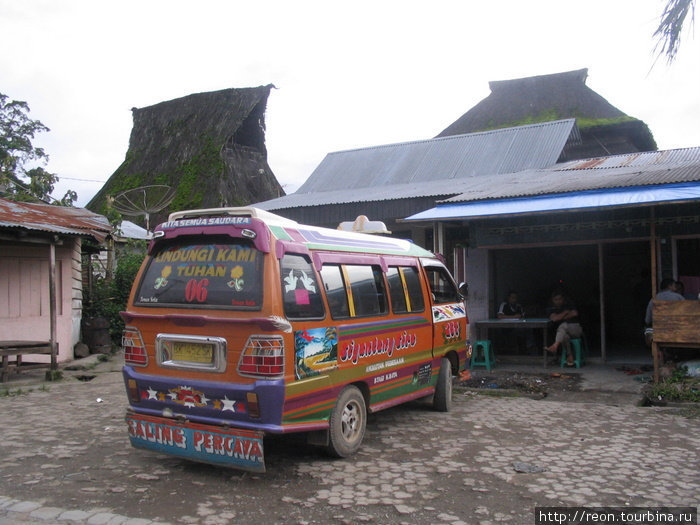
(193, 352)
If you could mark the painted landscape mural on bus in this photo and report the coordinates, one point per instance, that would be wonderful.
(316, 351)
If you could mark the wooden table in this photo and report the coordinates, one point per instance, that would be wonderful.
(536, 323)
(20, 348)
(676, 324)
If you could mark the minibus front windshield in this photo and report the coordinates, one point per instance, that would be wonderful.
(212, 273)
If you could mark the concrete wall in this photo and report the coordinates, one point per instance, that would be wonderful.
(477, 276)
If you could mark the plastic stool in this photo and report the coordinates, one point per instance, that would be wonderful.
(482, 355)
(576, 349)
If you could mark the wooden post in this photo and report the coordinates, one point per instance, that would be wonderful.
(52, 304)
(601, 298)
(652, 240)
(439, 238)
(655, 356)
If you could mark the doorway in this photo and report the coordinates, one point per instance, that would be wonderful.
(627, 292)
(537, 272)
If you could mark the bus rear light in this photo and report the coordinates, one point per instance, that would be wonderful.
(263, 356)
(133, 390)
(253, 405)
(134, 349)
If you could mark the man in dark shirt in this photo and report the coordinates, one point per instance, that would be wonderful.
(564, 316)
(510, 309)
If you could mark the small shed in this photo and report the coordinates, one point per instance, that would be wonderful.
(40, 278)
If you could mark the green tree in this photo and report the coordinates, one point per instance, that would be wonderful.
(668, 34)
(20, 178)
(108, 295)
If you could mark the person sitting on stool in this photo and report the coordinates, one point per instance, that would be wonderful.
(564, 317)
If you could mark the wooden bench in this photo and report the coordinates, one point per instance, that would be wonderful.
(676, 324)
(20, 348)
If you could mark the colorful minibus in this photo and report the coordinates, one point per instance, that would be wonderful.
(242, 323)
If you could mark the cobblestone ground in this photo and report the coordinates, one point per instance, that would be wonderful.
(65, 458)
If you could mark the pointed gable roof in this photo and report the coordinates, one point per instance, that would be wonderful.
(535, 99)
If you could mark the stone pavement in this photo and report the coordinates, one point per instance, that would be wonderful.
(65, 458)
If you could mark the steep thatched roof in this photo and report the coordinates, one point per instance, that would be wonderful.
(210, 147)
(552, 97)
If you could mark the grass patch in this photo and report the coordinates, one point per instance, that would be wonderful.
(679, 387)
(6, 392)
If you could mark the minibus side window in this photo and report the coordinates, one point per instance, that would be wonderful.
(336, 294)
(300, 291)
(415, 290)
(442, 286)
(405, 290)
(367, 288)
(396, 291)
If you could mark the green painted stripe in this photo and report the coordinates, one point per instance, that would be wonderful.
(353, 330)
(280, 233)
(413, 250)
(397, 390)
(305, 413)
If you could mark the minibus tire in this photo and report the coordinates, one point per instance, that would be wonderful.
(347, 423)
(442, 400)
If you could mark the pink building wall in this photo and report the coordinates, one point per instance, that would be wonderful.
(24, 295)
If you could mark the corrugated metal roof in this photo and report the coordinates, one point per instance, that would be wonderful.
(411, 169)
(618, 171)
(576, 200)
(436, 188)
(61, 220)
(130, 230)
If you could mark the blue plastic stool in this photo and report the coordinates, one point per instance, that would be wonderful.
(577, 350)
(482, 355)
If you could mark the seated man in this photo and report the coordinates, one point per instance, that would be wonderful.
(510, 308)
(667, 293)
(564, 316)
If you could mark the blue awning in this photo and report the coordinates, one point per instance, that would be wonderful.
(581, 200)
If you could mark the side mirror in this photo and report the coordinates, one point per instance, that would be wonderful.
(463, 289)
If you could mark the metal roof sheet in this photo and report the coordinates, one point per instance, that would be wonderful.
(580, 200)
(636, 169)
(412, 169)
(436, 188)
(61, 220)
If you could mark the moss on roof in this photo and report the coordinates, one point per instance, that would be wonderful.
(210, 147)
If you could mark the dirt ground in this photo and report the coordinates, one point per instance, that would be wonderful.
(65, 447)
(536, 385)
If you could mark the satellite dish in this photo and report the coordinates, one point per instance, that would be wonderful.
(143, 200)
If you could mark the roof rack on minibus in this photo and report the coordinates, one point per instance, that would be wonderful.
(245, 211)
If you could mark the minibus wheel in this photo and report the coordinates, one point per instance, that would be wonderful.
(442, 400)
(347, 423)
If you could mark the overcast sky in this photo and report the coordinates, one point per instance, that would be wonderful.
(349, 74)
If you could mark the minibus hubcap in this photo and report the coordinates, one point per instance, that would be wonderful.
(351, 421)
